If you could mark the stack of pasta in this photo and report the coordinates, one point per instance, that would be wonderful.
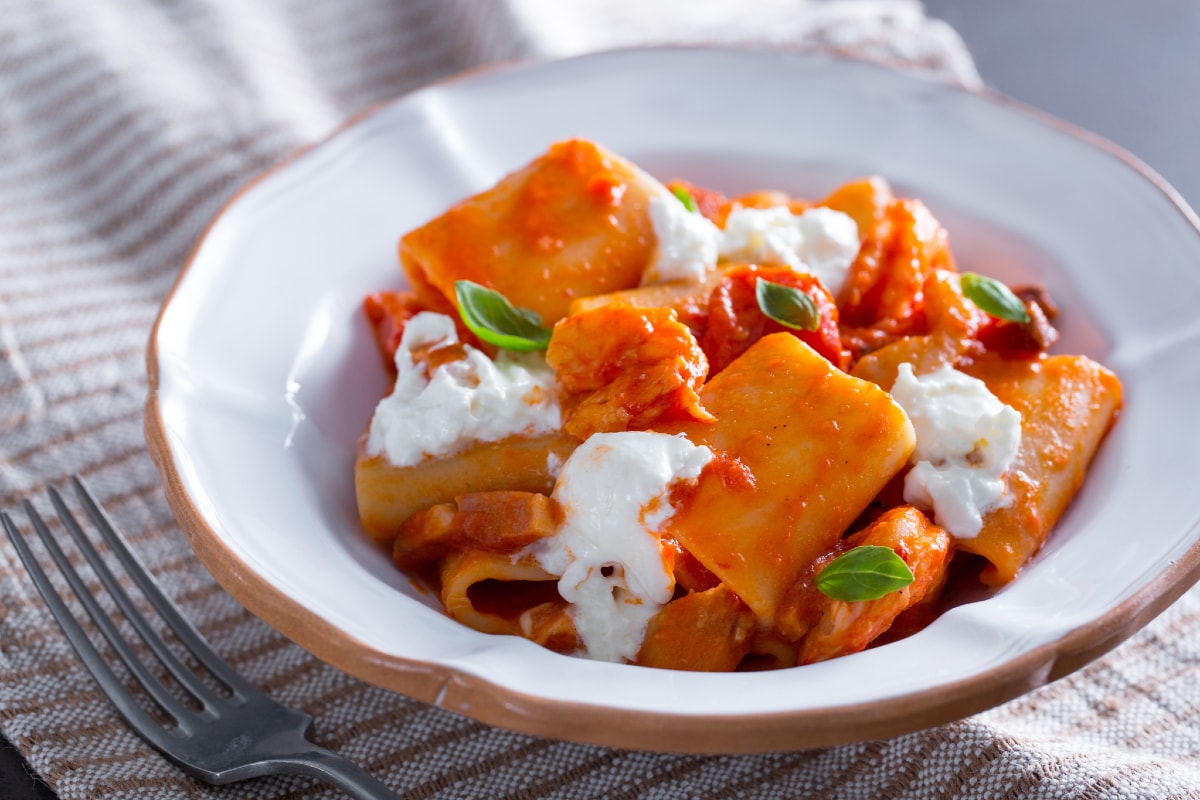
(653, 424)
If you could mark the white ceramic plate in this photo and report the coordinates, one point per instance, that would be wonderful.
(263, 374)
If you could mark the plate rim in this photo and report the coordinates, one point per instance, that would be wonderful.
(491, 703)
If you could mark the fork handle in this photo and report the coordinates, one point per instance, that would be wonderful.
(327, 766)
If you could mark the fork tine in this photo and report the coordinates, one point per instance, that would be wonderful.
(120, 697)
(186, 678)
(167, 701)
(236, 741)
(180, 626)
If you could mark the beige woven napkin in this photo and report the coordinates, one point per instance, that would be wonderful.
(124, 125)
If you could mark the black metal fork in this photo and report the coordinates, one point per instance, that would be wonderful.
(222, 736)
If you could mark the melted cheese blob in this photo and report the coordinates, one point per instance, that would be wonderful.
(687, 243)
(966, 440)
(614, 491)
(442, 411)
(820, 241)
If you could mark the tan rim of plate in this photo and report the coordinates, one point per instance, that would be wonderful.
(611, 727)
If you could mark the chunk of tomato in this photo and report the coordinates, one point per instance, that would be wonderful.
(735, 321)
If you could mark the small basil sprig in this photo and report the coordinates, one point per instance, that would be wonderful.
(787, 306)
(686, 198)
(864, 573)
(496, 321)
(994, 297)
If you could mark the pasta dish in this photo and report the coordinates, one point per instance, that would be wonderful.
(653, 424)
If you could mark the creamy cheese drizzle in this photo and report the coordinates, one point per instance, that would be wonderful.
(966, 441)
(614, 493)
(687, 243)
(440, 412)
(820, 241)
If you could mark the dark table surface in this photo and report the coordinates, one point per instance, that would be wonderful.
(1129, 71)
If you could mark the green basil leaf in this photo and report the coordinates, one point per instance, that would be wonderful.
(787, 306)
(496, 321)
(686, 198)
(864, 573)
(994, 297)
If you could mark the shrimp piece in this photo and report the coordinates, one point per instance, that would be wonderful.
(867, 202)
(888, 293)
(952, 327)
(623, 368)
(848, 627)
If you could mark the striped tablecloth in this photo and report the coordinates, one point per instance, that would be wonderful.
(124, 125)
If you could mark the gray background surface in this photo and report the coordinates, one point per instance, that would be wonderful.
(1128, 70)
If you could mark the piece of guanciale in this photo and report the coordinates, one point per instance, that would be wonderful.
(816, 446)
(500, 522)
(1067, 405)
(551, 625)
(572, 223)
(388, 495)
(707, 631)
